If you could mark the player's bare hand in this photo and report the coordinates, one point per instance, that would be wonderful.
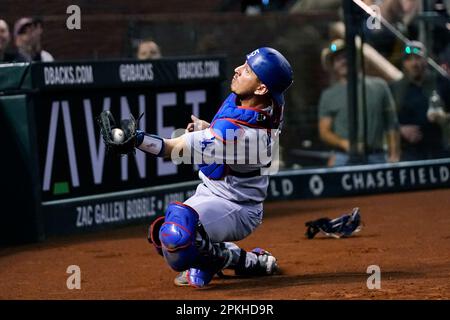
(411, 133)
(196, 124)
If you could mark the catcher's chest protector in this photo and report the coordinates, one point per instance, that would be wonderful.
(230, 117)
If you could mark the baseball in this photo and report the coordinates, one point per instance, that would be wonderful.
(118, 135)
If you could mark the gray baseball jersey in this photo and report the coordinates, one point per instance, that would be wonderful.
(230, 208)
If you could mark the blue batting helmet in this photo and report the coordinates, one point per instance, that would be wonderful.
(273, 70)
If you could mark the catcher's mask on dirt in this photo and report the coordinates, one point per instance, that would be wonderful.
(341, 227)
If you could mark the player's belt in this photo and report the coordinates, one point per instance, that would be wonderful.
(249, 174)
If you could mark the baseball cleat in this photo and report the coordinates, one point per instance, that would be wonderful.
(199, 278)
(193, 278)
(266, 264)
(181, 279)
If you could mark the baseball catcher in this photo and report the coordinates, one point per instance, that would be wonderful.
(196, 237)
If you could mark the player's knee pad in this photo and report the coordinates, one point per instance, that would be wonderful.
(177, 235)
(153, 234)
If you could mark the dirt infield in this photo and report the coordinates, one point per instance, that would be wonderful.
(407, 235)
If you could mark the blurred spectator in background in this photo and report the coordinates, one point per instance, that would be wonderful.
(421, 135)
(148, 49)
(256, 7)
(400, 14)
(314, 5)
(40, 54)
(440, 27)
(27, 37)
(444, 59)
(444, 83)
(443, 88)
(5, 38)
(23, 39)
(381, 117)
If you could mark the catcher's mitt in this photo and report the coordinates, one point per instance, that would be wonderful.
(129, 126)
